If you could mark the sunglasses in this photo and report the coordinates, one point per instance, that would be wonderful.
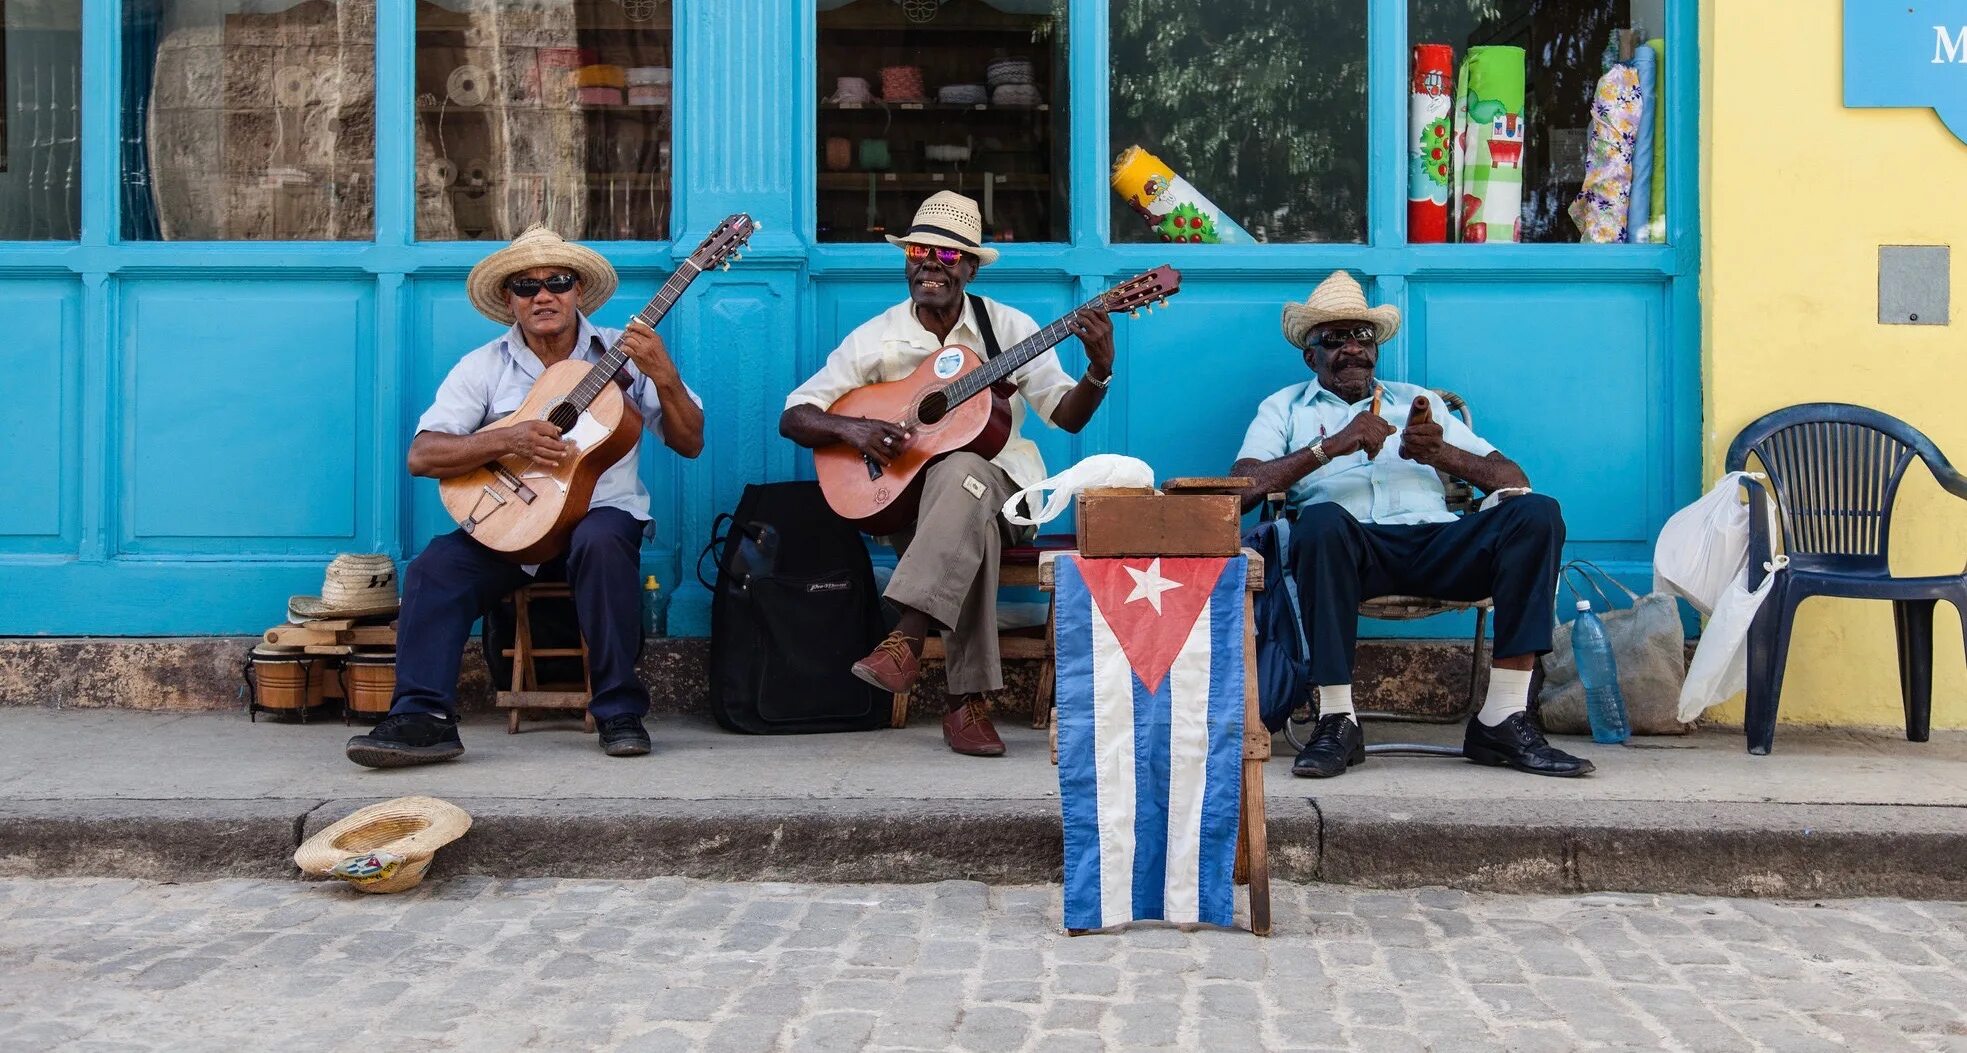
(918, 253)
(527, 288)
(1333, 339)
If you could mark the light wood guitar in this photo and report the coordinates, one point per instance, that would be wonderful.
(525, 510)
(941, 407)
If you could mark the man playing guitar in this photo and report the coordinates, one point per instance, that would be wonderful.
(544, 288)
(947, 575)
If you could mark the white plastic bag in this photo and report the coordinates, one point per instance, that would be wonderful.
(1720, 667)
(1704, 547)
(1101, 469)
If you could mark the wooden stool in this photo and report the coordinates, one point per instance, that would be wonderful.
(528, 692)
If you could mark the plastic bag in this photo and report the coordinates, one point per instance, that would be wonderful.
(1101, 469)
(1719, 670)
(1648, 642)
(1704, 547)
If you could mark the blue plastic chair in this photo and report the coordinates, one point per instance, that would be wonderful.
(1836, 470)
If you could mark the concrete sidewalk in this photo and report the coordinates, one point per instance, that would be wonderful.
(106, 792)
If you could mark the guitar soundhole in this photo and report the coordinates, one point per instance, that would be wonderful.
(934, 406)
(564, 416)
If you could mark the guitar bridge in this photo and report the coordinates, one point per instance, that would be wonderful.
(503, 474)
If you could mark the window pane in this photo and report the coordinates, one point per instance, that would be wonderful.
(1260, 105)
(918, 96)
(1529, 95)
(554, 113)
(40, 116)
(249, 120)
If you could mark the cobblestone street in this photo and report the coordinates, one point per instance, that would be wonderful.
(472, 963)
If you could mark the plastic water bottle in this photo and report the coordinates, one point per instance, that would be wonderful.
(651, 607)
(1605, 707)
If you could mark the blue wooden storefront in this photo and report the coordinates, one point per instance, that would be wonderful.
(193, 429)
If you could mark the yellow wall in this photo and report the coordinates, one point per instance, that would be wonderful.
(1798, 193)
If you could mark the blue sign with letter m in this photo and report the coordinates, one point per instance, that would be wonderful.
(1908, 53)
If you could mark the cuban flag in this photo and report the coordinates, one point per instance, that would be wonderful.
(1150, 722)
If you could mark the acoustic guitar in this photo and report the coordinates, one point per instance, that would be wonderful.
(525, 510)
(941, 406)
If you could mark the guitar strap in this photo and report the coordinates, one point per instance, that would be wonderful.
(990, 347)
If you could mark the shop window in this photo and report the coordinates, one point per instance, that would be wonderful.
(556, 113)
(1537, 121)
(918, 96)
(1236, 120)
(40, 116)
(249, 120)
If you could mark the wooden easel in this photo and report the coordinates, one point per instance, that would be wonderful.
(1252, 849)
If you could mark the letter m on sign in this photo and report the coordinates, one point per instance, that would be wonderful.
(1908, 53)
(1949, 48)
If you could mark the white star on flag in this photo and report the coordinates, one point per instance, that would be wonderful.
(1149, 585)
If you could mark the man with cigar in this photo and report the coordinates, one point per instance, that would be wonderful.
(1359, 458)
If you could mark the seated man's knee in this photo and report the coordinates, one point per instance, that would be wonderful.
(948, 475)
(594, 539)
(1321, 524)
(1536, 511)
(443, 550)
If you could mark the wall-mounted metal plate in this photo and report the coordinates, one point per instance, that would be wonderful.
(1912, 284)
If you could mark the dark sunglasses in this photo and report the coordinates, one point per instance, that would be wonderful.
(527, 288)
(918, 253)
(1333, 339)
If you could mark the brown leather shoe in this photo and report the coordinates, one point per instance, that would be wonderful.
(969, 731)
(892, 666)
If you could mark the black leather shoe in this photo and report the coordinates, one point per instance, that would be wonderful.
(1336, 744)
(1515, 743)
(624, 736)
(402, 739)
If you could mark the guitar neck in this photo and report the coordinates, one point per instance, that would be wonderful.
(1012, 358)
(651, 313)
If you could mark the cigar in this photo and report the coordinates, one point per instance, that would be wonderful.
(1376, 399)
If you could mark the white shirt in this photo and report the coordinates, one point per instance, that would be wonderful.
(1388, 489)
(892, 344)
(491, 381)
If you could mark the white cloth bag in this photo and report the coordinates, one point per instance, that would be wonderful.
(1719, 670)
(1702, 556)
(1101, 469)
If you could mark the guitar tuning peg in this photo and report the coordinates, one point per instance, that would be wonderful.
(1135, 313)
(727, 265)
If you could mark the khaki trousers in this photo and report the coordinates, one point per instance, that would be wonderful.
(949, 562)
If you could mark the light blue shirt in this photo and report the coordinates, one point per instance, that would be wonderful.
(491, 381)
(1388, 489)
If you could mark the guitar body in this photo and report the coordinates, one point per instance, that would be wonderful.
(887, 502)
(523, 510)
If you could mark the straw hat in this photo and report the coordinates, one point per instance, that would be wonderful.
(354, 586)
(385, 847)
(538, 247)
(1338, 299)
(951, 221)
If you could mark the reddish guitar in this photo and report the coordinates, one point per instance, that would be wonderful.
(939, 405)
(524, 510)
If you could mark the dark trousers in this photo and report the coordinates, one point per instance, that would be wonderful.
(1511, 553)
(456, 580)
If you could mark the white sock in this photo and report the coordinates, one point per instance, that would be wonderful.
(1335, 698)
(1509, 693)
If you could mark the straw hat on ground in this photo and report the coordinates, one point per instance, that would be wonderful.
(1338, 299)
(948, 220)
(354, 586)
(385, 847)
(538, 247)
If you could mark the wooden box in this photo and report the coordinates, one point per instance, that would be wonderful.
(1125, 521)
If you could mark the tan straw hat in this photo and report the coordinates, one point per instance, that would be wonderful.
(385, 847)
(1338, 299)
(951, 221)
(538, 247)
(354, 586)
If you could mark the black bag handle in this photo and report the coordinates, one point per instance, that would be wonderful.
(717, 539)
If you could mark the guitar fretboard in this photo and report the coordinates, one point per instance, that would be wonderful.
(604, 371)
(1008, 361)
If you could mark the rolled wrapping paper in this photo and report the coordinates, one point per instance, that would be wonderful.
(1016, 97)
(1429, 166)
(466, 85)
(601, 96)
(839, 153)
(852, 89)
(1486, 197)
(1169, 205)
(1602, 206)
(601, 76)
(902, 84)
(648, 95)
(963, 94)
(1656, 219)
(1641, 208)
(647, 75)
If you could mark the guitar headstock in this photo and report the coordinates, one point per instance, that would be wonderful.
(1142, 290)
(723, 243)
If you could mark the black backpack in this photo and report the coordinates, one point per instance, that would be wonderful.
(792, 609)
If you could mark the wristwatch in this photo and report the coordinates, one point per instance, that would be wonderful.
(1097, 382)
(1318, 454)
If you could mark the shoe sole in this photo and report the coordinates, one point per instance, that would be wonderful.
(998, 752)
(1310, 773)
(402, 756)
(1489, 759)
(868, 677)
(626, 749)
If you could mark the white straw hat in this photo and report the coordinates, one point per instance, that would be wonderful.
(1338, 299)
(538, 247)
(951, 221)
(353, 586)
(385, 847)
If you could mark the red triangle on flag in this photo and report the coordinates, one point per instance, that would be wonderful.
(1151, 604)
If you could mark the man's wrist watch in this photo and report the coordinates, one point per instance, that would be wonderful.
(1318, 453)
(1096, 381)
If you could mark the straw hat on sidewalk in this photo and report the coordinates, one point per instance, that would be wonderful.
(385, 847)
(1338, 299)
(354, 586)
(539, 247)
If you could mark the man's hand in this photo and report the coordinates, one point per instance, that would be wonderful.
(1421, 440)
(645, 348)
(1368, 431)
(879, 439)
(1095, 332)
(537, 440)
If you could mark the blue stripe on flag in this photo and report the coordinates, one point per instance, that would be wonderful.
(1078, 793)
(1151, 798)
(1223, 794)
